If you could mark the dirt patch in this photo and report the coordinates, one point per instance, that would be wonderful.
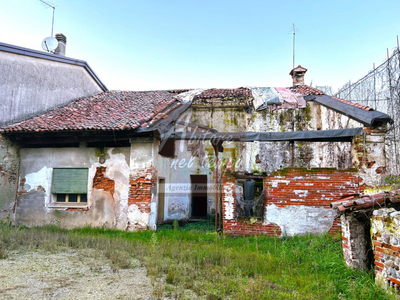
(72, 274)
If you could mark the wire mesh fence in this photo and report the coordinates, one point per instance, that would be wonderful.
(380, 90)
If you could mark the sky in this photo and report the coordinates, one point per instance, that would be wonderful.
(174, 44)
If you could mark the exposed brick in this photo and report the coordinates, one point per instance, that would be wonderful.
(101, 182)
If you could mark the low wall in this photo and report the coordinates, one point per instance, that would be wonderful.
(385, 232)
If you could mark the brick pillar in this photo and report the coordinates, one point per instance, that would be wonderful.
(355, 241)
(228, 201)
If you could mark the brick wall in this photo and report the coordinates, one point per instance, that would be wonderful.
(101, 182)
(290, 187)
(315, 187)
(140, 189)
(233, 225)
(355, 235)
(386, 246)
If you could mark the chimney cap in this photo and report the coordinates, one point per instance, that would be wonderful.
(61, 38)
(297, 69)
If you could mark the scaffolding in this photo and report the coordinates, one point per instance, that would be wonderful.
(380, 90)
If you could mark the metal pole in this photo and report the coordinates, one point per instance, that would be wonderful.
(294, 35)
(374, 85)
(216, 187)
(392, 110)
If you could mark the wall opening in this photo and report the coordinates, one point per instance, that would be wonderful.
(249, 198)
(161, 199)
(199, 195)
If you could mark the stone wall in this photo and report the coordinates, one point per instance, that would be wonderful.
(386, 246)
(355, 236)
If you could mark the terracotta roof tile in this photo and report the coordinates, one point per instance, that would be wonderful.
(354, 203)
(113, 110)
(225, 93)
(307, 90)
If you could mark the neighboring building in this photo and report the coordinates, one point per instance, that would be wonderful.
(130, 159)
(32, 83)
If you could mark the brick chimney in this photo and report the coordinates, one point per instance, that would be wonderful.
(298, 75)
(62, 42)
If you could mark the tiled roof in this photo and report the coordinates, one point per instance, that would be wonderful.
(307, 90)
(225, 93)
(113, 110)
(355, 202)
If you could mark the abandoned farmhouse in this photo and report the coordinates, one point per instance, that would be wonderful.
(262, 160)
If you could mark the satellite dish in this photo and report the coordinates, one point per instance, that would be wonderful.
(49, 44)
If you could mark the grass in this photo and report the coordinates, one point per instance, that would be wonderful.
(214, 266)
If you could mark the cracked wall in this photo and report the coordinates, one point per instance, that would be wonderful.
(9, 167)
(108, 187)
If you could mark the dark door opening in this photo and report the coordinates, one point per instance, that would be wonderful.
(161, 199)
(199, 195)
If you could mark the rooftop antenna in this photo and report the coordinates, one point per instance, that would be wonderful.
(49, 44)
(294, 42)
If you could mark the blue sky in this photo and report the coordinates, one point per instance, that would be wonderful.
(146, 45)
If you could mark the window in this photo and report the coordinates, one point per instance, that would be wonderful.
(70, 185)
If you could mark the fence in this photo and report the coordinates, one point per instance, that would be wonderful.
(380, 89)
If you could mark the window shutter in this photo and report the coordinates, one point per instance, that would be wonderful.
(70, 181)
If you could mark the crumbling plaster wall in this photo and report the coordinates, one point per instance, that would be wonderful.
(269, 157)
(142, 203)
(264, 158)
(196, 158)
(30, 86)
(35, 203)
(9, 166)
(368, 154)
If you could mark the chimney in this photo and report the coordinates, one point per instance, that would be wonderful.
(298, 75)
(62, 42)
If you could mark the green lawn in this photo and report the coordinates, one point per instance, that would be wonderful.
(215, 266)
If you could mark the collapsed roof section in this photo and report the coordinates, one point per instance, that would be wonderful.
(363, 114)
(364, 204)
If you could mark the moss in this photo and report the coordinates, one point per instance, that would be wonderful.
(230, 119)
(286, 171)
(282, 128)
(100, 151)
(282, 119)
(391, 180)
(308, 112)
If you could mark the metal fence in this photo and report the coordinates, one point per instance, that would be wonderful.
(380, 89)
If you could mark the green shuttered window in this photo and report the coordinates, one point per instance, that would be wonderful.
(69, 181)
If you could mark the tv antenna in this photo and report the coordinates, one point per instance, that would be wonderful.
(50, 44)
(294, 42)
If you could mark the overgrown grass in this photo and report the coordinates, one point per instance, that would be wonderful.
(215, 266)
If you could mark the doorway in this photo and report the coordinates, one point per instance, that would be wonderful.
(199, 195)
(161, 200)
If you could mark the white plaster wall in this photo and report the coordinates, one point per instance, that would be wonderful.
(300, 219)
(35, 206)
